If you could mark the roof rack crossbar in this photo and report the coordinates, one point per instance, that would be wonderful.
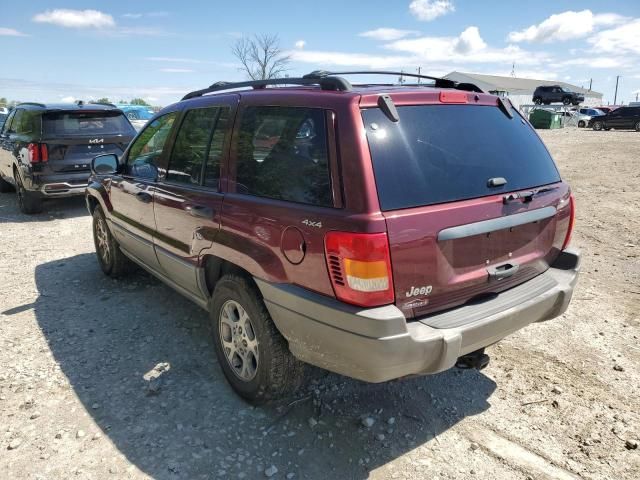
(439, 82)
(325, 82)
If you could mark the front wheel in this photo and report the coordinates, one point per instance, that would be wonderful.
(597, 126)
(112, 261)
(254, 356)
(566, 101)
(537, 101)
(637, 127)
(581, 124)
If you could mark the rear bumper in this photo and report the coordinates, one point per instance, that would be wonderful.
(59, 185)
(378, 344)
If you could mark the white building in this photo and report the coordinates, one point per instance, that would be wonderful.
(520, 90)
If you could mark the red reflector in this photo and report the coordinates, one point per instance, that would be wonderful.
(34, 152)
(360, 267)
(44, 152)
(454, 97)
(572, 216)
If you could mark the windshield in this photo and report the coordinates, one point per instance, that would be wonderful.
(86, 123)
(444, 153)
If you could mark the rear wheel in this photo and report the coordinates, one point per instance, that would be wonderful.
(581, 124)
(27, 201)
(597, 126)
(254, 356)
(637, 127)
(566, 101)
(537, 101)
(111, 259)
(5, 186)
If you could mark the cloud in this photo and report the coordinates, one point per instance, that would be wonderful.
(387, 34)
(10, 32)
(564, 26)
(176, 70)
(468, 47)
(343, 59)
(596, 62)
(68, 99)
(300, 44)
(470, 41)
(76, 18)
(427, 10)
(624, 39)
(148, 14)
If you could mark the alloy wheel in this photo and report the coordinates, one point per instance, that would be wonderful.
(239, 341)
(102, 236)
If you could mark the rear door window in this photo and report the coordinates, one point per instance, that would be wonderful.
(96, 123)
(445, 153)
(282, 154)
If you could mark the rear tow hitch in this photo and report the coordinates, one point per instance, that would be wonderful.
(477, 360)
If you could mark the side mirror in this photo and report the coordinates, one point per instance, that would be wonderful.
(106, 164)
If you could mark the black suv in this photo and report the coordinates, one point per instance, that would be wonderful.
(623, 118)
(46, 150)
(556, 94)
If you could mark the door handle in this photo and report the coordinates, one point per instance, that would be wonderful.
(199, 211)
(500, 272)
(144, 197)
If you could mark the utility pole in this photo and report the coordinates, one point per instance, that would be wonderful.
(419, 68)
(615, 96)
(590, 82)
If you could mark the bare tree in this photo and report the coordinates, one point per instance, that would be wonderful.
(261, 56)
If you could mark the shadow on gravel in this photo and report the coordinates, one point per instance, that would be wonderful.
(52, 209)
(110, 337)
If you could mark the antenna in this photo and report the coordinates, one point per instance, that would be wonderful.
(513, 70)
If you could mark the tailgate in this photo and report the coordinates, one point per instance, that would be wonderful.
(73, 138)
(473, 202)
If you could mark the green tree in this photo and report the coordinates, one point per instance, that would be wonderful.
(139, 101)
(103, 100)
(3, 101)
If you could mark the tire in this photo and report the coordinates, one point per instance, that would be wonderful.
(254, 356)
(28, 202)
(112, 261)
(566, 101)
(581, 124)
(537, 101)
(637, 127)
(5, 186)
(597, 126)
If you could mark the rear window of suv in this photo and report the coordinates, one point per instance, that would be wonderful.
(86, 123)
(445, 153)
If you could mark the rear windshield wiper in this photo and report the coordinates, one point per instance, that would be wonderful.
(526, 196)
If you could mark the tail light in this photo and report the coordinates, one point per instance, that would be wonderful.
(572, 216)
(38, 152)
(360, 267)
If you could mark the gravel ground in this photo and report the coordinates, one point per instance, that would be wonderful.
(118, 379)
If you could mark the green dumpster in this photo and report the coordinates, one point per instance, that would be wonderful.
(540, 118)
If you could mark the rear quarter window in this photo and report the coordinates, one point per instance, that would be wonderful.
(445, 153)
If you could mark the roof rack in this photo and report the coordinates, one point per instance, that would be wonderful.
(439, 82)
(35, 104)
(325, 82)
(328, 81)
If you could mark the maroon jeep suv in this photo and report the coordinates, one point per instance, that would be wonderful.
(376, 231)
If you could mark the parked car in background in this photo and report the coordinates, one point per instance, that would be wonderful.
(406, 250)
(138, 115)
(623, 118)
(46, 149)
(3, 116)
(547, 94)
(583, 115)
